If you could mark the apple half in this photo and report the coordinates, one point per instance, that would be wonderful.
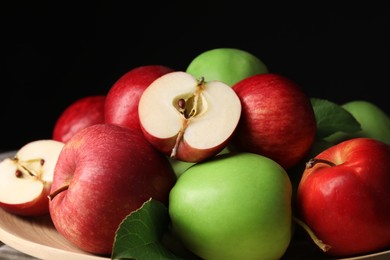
(26, 178)
(188, 119)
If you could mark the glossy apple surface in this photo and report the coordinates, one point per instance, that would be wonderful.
(228, 65)
(347, 203)
(374, 121)
(122, 98)
(233, 207)
(179, 167)
(78, 115)
(277, 119)
(26, 178)
(103, 173)
(187, 119)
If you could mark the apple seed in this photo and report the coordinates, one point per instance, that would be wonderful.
(182, 105)
(26, 166)
(18, 173)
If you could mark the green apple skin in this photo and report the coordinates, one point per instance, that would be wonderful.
(374, 122)
(234, 206)
(228, 65)
(179, 167)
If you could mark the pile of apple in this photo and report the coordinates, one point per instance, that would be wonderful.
(237, 154)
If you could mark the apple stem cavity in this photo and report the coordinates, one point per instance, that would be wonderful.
(58, 191)
(314, 161)
(324, 247)
(188, 109)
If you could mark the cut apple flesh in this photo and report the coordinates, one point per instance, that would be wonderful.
(177, 106)
(29, 173)
(16, 185)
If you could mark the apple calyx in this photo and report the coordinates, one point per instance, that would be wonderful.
(188, 108)
(314, 161)
(324, 247)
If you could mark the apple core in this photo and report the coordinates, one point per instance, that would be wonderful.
(186, 118)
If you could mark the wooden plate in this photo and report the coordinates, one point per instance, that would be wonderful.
(39, 238)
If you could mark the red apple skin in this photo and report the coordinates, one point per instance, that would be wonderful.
(186, 152)
(277, 119)
(348, 205)
(111, 171)
(34, 208)
(121, 106)
(78, 115)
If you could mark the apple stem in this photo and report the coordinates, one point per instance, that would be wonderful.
(182, 105)
(58, 191)
(179, 137)
(324, 247)
(314, 161)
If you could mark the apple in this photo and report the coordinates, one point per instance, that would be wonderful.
(26, 178)
(179, 167)
(228, 65)
(188, 119)
(121, 106)
(233, 206)
(374, 122)
(344, 197)
(83, 112)
(277, 119)
(103, 173)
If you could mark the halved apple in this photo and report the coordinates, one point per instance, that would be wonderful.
(26, 178)
(188, 119)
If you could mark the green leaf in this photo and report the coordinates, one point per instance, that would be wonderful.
(140, 234)
(332, 118)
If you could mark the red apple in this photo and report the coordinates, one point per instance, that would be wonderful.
(26, 178)
(103, 173)
(277, 119)
(344, 197)
(123, 97)
(81, 113)
(188, 119)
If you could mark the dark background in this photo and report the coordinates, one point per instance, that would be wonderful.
(54, 53)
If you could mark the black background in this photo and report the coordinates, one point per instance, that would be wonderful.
(54, 53)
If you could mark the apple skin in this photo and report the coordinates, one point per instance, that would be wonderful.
(277, 119)
(197, 131)
(233, 206)
(121, 106)
(228, 65)
(111, 171)
(78, 115)
(347, 206)
(179, 167)
(374, 122)
(29, 157)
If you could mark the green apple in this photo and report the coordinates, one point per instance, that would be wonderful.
(228, 65)
(234, 206)
(179, 167)
(374, 122)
